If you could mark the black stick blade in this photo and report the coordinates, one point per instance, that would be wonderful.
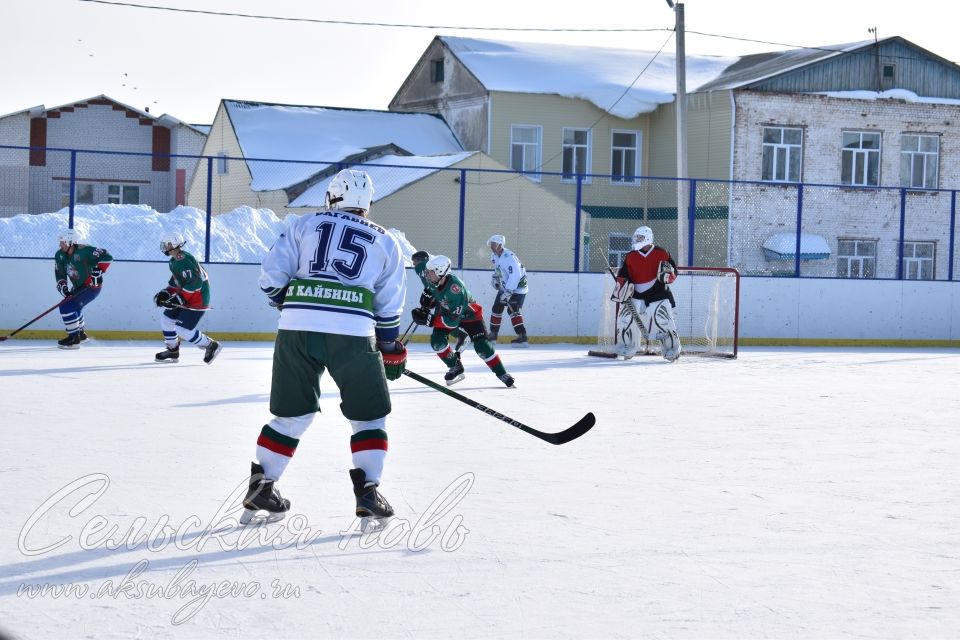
(572, 433)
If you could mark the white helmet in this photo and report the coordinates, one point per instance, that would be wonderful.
(642, 237)
(496, 239)
(350, 189)
(440, 265)
(69, 236)
(171, 241)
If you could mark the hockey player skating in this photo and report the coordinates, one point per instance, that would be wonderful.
(644, 294)
(339, 280)
(455, 307)
(185, 299)
(429, 296)
(510, 280)
(81, 266)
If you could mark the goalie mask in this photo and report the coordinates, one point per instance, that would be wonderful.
(350, 189)
(438, 267)
(171, 242)
(642, 237)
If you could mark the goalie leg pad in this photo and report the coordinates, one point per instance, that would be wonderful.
(665, 329)
(629, 332)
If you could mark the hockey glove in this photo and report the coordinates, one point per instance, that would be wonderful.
(63, 288)
(421, 316)
(168, 300)
(667, 273)
(505, 297)
(426, 299)
(495, 281)
(276, 295)
(96, 277)
(394, 359)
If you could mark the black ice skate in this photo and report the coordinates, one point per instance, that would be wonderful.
(263, 503)
(372, 508)
(455, 373)
(72, 341)
(83, 336)
(492, 336)
(169, 355)
(520, 341)
(507, 379)
(212, 350)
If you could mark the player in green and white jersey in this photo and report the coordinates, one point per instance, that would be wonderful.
(82, 266)
(185, 300)
(456, 308)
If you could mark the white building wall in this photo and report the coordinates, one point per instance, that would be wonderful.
(758, 211)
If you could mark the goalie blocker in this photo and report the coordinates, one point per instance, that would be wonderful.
(706, 315)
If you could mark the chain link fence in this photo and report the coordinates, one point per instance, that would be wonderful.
(232, 209)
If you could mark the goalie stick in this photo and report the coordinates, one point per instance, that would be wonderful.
(571, 433)
(636, 319)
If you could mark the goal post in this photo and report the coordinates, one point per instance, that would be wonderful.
(707, 314)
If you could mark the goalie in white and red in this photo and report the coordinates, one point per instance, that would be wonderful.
(645, 297)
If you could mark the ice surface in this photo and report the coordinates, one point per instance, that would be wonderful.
(791, 493)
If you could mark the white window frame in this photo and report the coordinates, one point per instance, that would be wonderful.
(782, 154)
(914, 158)
(857, 161)
(584, 149)
(619, 253)
(223, 165)
(919, 267)
(859, 262)
(624, 179)
(121, 196)
(526, 149)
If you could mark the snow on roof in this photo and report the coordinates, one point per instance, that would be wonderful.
(783, 246)
(401, 171)
(890, 94)
(596, 74)
(326, 136)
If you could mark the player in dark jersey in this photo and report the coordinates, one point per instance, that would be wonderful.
(81, 266)
(185, 300)
(454, 308)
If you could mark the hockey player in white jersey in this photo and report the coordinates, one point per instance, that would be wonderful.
(510, 280)
(340, 283)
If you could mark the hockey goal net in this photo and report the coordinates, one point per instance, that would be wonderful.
(707, 314)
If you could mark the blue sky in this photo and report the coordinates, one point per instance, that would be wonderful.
(183, 64)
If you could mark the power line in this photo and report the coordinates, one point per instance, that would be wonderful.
(365, 24)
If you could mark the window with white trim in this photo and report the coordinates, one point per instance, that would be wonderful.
(860, 159)
(919, 160)
(223, 168)
(782, 154)
(83, 193)
(624, 156)
(856, 258)
(618, 246)
(525, 148)
(576, 153)
(918, 260)
(123, 194)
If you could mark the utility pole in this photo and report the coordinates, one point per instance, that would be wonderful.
(683, 185)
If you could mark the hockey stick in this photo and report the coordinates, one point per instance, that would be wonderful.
(16, 331)
(636, 318)
(571, 433)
